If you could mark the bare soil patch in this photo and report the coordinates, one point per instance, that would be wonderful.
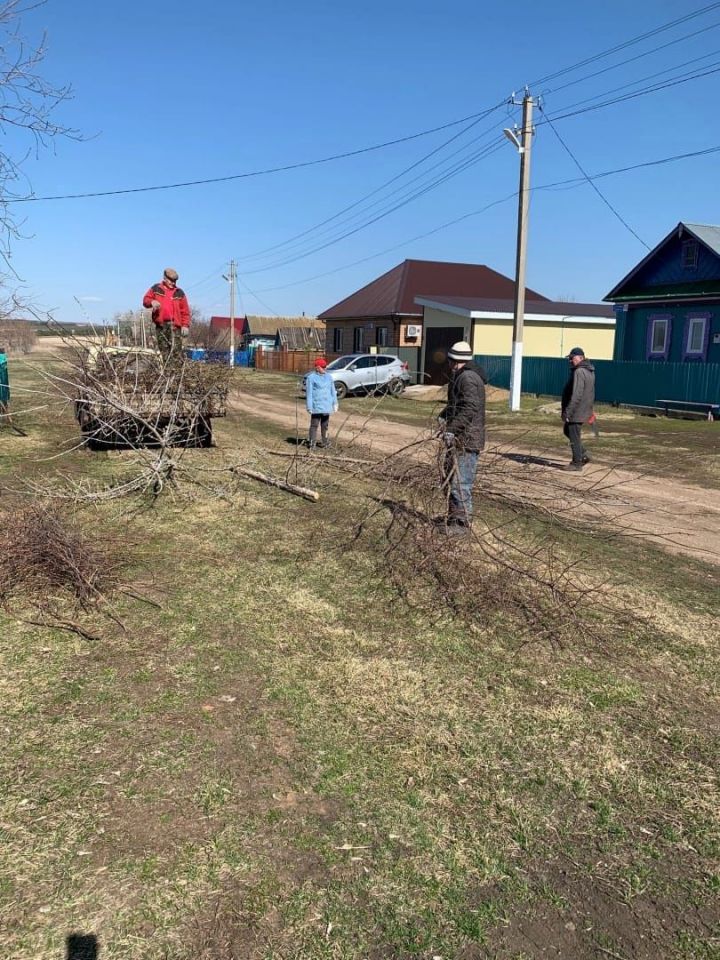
(680, 517)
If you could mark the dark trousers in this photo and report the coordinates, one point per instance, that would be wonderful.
(168, 339)
(321, 420)
(573, 431)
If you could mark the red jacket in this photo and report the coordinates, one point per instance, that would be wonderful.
(173, 308)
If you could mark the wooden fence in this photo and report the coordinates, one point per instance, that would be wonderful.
(289, 361)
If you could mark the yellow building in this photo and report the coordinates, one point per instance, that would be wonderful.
(552, 329)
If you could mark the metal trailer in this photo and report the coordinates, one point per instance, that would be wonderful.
(130, 397)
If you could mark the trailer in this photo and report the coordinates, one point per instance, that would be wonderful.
(130, 397)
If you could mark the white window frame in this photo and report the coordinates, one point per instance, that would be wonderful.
(656, 321)
(691, 320)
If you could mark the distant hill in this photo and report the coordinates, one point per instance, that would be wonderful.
(71, 329)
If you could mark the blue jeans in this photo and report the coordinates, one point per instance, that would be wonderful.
(461, 467)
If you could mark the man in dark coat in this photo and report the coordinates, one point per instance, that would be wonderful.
(463, 434)
(578, 398)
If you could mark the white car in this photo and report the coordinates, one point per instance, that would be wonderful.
(369, 372)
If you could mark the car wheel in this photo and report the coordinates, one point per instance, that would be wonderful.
(341, 390)
(396, 387)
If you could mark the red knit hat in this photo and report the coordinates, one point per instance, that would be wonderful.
(321, 362)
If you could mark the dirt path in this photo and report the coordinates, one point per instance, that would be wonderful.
(681, 518)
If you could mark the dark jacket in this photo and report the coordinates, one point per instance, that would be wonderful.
(578, 396)
(464, 414)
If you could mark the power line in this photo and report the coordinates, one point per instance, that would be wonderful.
(363, 150)
(252, 173)
(650, 76)
(573, 181)
(387, 183)
(627, 43)
(493, 147)
(261, 302)
(631, 96)
(594, 185)
(639, 56)
(460, 167)
(387, 205)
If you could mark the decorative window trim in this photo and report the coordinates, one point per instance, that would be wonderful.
(693, 248)
(700, 354)
(653, 318)
(381, 336)
(338, 339)
(358, 339)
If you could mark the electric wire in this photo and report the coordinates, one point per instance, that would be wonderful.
(569, 182)
(627, 43)
(402, 189)
(364, 150)
(387, 183)
(492, 148)
(639, 56)
(249, 174)
(594, 186)
(461, 167)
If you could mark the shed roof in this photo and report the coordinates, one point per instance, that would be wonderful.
(394, 292)
(301, 338)
(503, 308)
(265, 326)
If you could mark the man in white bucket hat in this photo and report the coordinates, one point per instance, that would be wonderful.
(463, 434)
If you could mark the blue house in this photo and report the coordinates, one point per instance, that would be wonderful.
(668, 306)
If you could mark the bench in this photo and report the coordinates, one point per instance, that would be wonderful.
(711, 410)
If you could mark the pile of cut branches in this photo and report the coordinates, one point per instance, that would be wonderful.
(50, 572)
(512, 567)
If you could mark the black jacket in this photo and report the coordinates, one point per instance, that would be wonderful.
(464, 414)
(578, 396)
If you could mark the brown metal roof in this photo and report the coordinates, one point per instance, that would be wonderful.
(493, 305)
(395, 291)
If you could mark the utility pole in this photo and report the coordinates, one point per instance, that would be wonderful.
(524, 146)
(231, 278)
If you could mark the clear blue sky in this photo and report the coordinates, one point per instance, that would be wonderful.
(166, 92)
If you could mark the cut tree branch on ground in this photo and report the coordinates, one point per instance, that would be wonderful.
(299, 491)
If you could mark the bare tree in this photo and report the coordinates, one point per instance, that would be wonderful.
(17, 336)
(28, 103)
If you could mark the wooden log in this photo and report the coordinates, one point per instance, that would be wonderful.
(305, 492)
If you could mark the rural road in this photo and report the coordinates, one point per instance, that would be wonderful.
(679, 517)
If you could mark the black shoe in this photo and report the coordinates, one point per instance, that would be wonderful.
(572, 466)
(586, 458)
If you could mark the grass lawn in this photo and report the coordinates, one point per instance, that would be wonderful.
(684, 449)
(288, 759)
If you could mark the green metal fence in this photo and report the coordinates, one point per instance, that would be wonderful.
(630, 382)
(4, 382)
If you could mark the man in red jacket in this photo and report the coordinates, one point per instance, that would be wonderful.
(170, 312)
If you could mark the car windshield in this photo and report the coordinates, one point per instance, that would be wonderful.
(341, 363)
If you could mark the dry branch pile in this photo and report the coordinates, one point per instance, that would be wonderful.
(50, 572)
(513, 567)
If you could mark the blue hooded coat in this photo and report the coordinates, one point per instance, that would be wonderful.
(320, 396)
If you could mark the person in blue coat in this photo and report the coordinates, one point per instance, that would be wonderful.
(321, 400)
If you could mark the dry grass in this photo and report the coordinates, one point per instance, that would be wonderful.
(286, 760)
